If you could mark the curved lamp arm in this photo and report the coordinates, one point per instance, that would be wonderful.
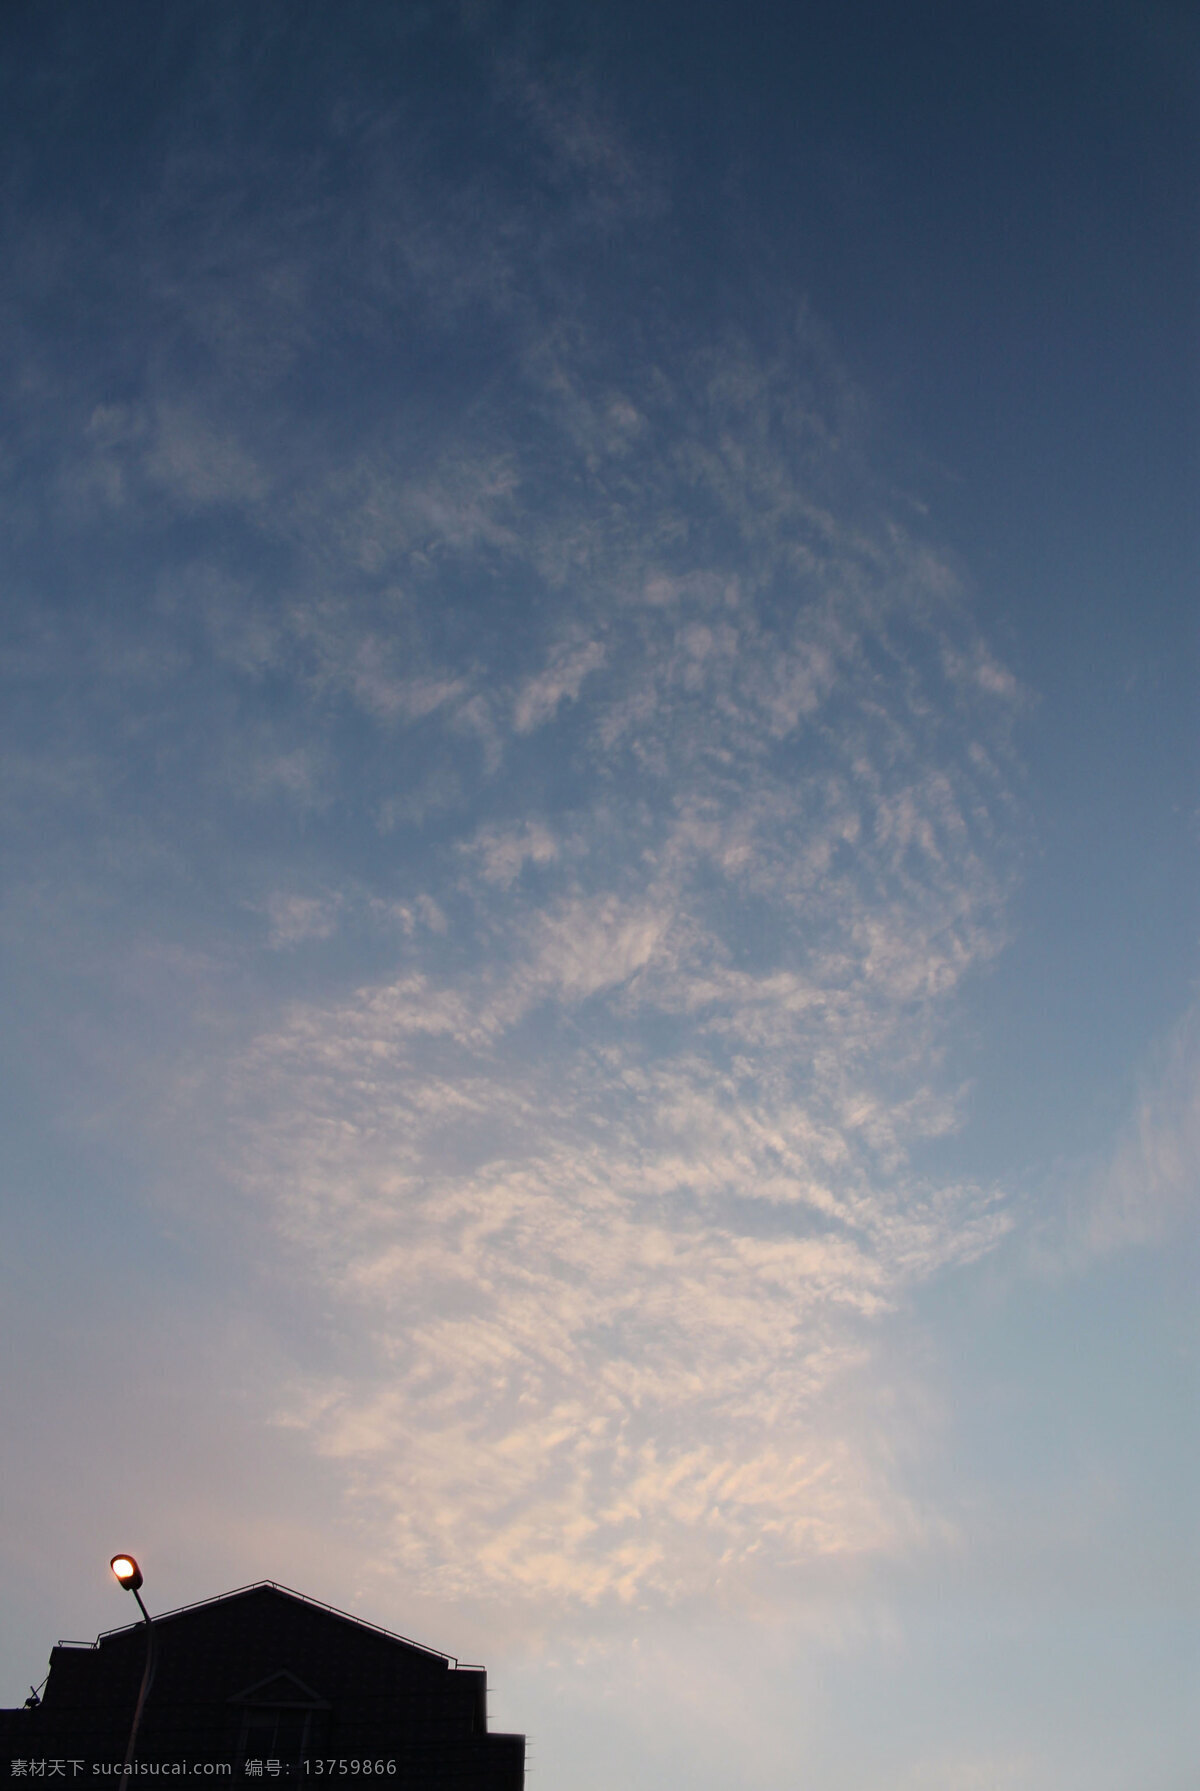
(129, 1575)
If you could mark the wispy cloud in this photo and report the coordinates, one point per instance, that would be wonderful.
(1152, 1186)
(295, 918)
(672, 771)
(539, 697)
(503, 851)
(1147, 1189)
(615, 1176)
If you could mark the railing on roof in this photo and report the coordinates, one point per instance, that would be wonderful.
(275, 1586)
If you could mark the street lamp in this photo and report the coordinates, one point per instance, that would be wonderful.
(129, 1575)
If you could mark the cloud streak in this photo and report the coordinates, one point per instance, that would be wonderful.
(614, 1177)
(673, 774)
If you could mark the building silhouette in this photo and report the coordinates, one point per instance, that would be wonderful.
(264, 1683)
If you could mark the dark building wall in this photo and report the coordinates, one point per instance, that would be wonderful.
(265, 1673)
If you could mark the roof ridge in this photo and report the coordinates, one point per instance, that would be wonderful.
(288, 1592)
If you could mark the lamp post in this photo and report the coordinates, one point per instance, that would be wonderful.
(128, 1574)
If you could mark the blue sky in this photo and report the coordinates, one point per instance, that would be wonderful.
(600, 1045)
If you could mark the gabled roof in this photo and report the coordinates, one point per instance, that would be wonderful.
(285, 1592)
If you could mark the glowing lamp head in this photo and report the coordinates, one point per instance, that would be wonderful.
(127, 1572)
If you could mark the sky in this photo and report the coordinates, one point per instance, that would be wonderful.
(600, 1042)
